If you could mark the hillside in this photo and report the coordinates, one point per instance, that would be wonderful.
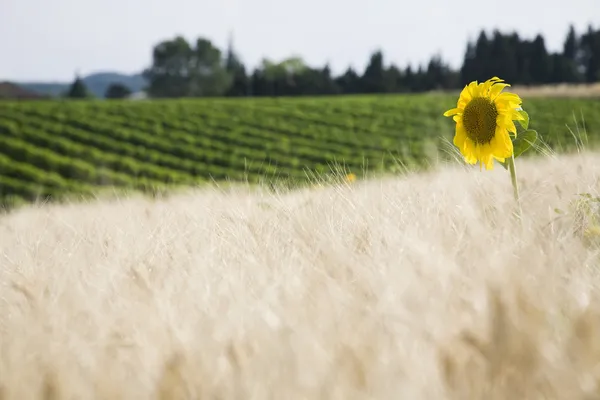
(96, 83)
(74, 148)
(11, 91)
(418, 288)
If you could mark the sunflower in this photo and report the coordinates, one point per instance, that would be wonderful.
(484, 117)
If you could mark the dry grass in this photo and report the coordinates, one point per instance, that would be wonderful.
(561, 90)
(416, 288)
(582, 90)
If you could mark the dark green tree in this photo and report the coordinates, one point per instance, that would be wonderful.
(483, 67)
(561, 69)
(349, 81)
(571, 45)
(117, 91)
(566, 68)
(325, 83)
(469, 67)
(539, 66)
(504, 54)
(590, 57)
(170, 73)
(240, 83)
(208, 74)
(395, 79)
(180, 70)
(524, 48)
(438, 75)
(374, 79)
(78, 89)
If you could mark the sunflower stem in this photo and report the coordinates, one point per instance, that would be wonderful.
(513, 178)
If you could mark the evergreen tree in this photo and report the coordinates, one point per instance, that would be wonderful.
(469, 66)
(410, 81)
(78, 89)
(571, 45)
(240, 83)
(483, 67)
(539, 66)
(504, 56)
(349, 81)
(325, 83)
(117, 91)
(524, 61)
(179, 69)
(590, 46)
(396, 79)
(569, 68)
(438, 75)
(373, 79)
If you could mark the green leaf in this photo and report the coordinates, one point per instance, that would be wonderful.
(524, 141)
(524, 123)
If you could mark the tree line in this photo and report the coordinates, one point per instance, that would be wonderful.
(183, 69)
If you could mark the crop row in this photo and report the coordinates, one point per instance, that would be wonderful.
(383, 123)
(50, 148)
(157, 154)
(237, 133)
(69, 167)
(207, 146)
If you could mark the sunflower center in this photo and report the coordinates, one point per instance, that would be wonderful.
(479, 119)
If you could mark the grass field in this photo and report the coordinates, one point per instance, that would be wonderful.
(404, 285)
(68, 149)
(420, 287)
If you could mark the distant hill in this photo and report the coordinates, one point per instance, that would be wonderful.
(96, 83)
(11, 91)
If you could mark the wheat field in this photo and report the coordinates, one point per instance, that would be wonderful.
(421, 286)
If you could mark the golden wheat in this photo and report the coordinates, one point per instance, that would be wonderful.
(417, 287)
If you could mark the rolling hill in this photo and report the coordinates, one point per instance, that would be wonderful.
(96, 83)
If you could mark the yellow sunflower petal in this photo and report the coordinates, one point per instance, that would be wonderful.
(515, 116)
(493, 144)
(460, 136)
(477, 151)
(502, 145)
(485, 150)
(496, 89)
(510, 125)
(491, 83)
(464, 98)
(452, 112)
(504, 121)
(487, 156)
(509, 98)
(468, 151)
(507, 106)
(489, 163)
(485, 86)
(473, 89)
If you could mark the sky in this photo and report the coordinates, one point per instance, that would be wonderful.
(51, 40)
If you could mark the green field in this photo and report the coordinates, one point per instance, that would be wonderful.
(58, 148)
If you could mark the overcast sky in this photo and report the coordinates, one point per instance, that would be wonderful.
(51, 39)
